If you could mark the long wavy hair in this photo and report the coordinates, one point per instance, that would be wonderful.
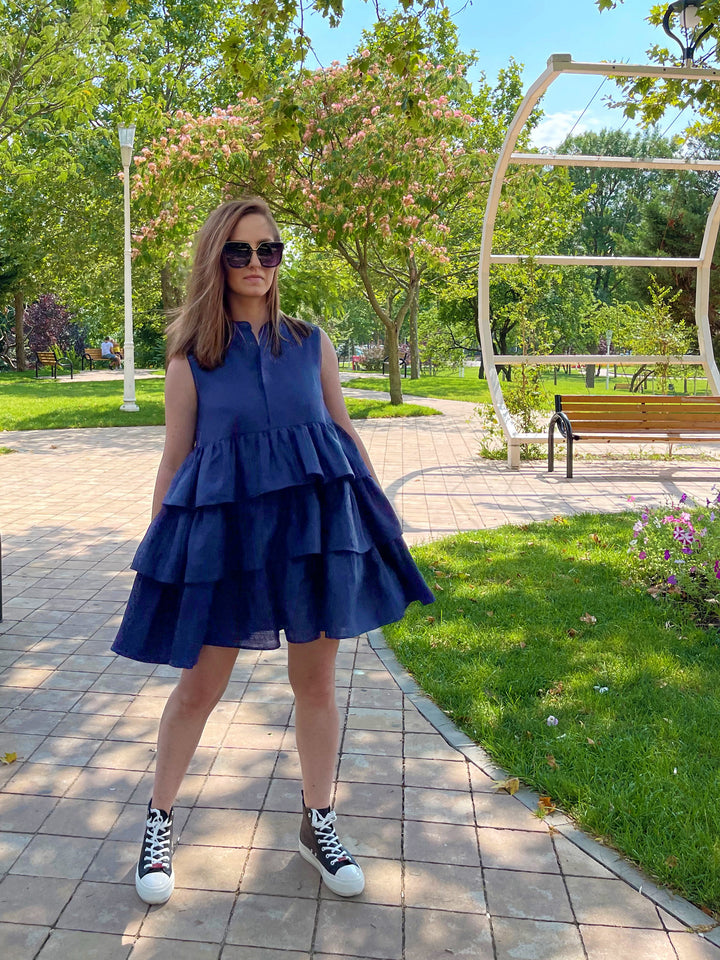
(203, 326)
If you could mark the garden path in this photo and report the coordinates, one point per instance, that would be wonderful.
(454, 868)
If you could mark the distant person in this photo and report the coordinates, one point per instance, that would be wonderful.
(107, 348)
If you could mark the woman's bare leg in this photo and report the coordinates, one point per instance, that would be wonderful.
(311, 670)
(184, 717)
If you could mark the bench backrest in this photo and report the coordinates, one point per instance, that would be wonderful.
(94, 353)
(673, 413)
(46, 357)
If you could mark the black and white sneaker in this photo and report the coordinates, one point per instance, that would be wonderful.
(320, 846)
(154, 877)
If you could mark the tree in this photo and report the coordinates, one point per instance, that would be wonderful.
(352, 135)
(649, 98)
(614, 197)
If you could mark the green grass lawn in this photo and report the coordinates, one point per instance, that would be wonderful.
(511, 641)
(29, 404)
(449, 386)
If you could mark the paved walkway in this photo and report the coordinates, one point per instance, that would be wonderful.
(453, 868)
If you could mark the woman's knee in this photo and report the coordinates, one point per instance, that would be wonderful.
(200, 689)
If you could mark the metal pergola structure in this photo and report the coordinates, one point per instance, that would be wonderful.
(558, 64)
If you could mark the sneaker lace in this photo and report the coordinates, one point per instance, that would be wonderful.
(157, 841)
(327, 839)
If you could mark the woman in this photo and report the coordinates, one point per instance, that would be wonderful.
(267, 516)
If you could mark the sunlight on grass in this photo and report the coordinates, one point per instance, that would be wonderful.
(29, 404)
(541, 621)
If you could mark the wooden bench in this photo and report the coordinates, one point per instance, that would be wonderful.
(93, 355)
(632, 419)
(46, 358)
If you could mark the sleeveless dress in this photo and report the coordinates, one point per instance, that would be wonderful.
(271, 523)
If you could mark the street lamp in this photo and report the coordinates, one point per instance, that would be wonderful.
(127, 136)
(690, 22)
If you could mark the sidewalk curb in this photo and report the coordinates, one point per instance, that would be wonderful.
(681, 909)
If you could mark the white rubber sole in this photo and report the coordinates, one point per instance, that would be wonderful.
(154, 888)
(349, 886)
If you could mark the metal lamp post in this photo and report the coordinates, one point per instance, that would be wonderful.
(127, 136)
(690, 22)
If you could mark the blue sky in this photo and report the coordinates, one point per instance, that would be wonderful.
(530, 30)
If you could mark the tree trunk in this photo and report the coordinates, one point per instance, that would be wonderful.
(391, 346)
(171, 294)
(20, 330)
(414, 344)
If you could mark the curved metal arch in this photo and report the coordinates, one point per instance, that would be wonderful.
(558, 64)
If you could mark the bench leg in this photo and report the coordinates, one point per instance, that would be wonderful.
(569, 467)
(513, 455)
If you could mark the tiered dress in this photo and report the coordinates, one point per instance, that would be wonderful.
(271, 523)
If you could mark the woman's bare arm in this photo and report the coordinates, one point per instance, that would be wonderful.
(332, 394)
(180, 421)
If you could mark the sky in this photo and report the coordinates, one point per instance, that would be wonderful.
(529, 31)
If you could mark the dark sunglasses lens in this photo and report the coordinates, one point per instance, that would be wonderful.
(270, 254)
(237, 254)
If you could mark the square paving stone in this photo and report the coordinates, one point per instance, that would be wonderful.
(82, 818)
(42, 779)
(517, 850)
(272, 922)
(436, 774)
(218, 828)
(277, 830)
(20, 941)
(254, 736)
(103, 908)
(34, 900)
(367, 718)
(443, 806)
(32, 721)
(502, 810)
(356, 767)
(115, 862)
(532, 896)
(123, 755)
(376, 698)
(103, 784)
(283, 796)
(535, 940)
(23, 814)
(376, 743)
(275, 714)
(239, 762)
(136, 729)
(371, 836)
(576, 862)
(235, 793)
(51, 856)
(689, 946)
(370, 800)
(64, 750)
(383, 883)
(611, 942)
(430, 934)
(261, 953)
(444, 886)
(11, 846)
(612, 902)
(149, 948)
(429, 746)
(55, 700)
(441, 843)
(280, 872)
(84, 725)
(190, 915)
(363, 929)
(208, 868)
(88, 946)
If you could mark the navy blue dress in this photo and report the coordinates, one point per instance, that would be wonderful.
(271, 523)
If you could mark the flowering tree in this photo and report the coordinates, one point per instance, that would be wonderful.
(369, 163)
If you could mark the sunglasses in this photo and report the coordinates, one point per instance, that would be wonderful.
(238, 254)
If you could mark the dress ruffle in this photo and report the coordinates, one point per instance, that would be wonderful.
(249, 464)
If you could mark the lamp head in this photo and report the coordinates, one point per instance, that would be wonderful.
(688, 14)
(126, 135)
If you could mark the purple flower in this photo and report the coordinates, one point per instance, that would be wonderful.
(687, 551)
(667, 554)
(552, 721)
(717, 569)
(644, 517)
(683, 498)
(642, 555)
(672, 579)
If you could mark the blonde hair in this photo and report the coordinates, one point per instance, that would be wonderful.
(203, 325)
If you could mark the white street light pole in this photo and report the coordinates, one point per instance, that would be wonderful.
(127, 136)
(608, 339)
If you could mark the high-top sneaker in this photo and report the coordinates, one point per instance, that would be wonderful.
(320, 846)
(154, 877)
